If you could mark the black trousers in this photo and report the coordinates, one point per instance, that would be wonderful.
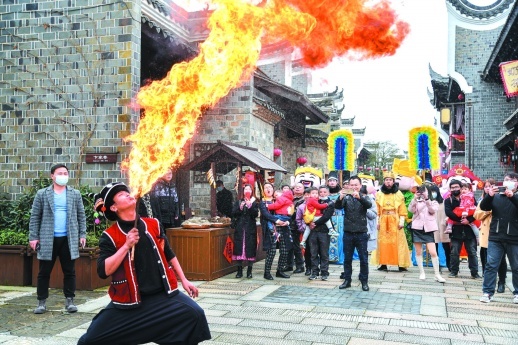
(295, 253)
(60, 249)
(471, 248)
(319, 246)
(159, 319)
(502, 269)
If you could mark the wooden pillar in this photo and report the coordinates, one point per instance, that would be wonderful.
(213, 207)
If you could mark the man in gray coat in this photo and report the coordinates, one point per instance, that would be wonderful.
(57, 227)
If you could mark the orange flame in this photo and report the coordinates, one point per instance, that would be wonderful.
(172, 106)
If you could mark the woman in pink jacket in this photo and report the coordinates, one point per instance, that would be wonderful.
(424, 225)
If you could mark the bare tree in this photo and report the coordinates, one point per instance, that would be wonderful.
(382, 153)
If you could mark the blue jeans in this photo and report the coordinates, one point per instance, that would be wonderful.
(359, 241)
(495, 252)
(471, 248)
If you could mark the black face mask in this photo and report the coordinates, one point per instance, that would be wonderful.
(455, 193)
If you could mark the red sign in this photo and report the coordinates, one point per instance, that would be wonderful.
(228, 250)
(509, 74)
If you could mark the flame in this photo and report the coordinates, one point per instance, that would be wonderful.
(172, 106)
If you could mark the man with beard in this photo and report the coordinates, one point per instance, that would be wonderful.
(392, 246)
(295, 253)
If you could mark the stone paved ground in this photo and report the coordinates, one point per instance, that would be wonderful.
(399, 309)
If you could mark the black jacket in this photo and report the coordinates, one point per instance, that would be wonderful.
(355, 219)
(164, 202)
(320, 224)
(246, 226)
(224, 201)
(504, 224)
(459, 231)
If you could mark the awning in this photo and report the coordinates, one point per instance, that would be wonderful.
(512, 120)
(227, 156)
(505, 141)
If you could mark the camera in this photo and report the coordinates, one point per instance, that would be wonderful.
(502, 189)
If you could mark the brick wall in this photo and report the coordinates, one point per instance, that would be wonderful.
(300, 83)
(276, 71)
(68, 72)
(484, 122)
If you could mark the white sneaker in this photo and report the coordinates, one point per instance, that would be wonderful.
(486, 298)
(515, 299)
(439, 278)
(422, 276)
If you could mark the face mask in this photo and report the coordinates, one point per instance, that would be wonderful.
(434, 195)
(455, 193)
(247, 194)
(509, 185)
(219, 189)
(61, 180)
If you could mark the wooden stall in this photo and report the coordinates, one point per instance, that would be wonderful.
(201, 251)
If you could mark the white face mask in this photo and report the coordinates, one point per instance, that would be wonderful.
(434, 195)
(62, 180)
(509, 184)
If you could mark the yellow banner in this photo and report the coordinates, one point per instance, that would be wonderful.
(509, 73)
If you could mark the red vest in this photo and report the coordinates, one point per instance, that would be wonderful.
(124, 290)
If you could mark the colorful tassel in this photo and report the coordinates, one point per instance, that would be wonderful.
(340, 150)
(423, 150)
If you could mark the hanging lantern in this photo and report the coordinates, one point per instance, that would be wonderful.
(360, 168)
(277, 152)
(302, 160)
(369, 168)
(377, 169)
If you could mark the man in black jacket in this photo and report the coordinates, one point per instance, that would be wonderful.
(319, 237)
(224, 200)
(461, 233)
(355, 231)
(503, 235)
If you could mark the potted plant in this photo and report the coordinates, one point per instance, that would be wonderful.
(14, 235)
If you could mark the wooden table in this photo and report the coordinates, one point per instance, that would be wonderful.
(200, 251)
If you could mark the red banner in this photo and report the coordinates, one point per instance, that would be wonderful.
(229, 248)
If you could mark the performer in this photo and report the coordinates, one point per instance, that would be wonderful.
(336, 250)
(392, 246)
(146, 305)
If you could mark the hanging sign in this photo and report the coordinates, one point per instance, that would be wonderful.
(229, 248)
(509, 74)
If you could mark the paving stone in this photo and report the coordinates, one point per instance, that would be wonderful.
(425, 333)
(413, 339)
(419, 324)
(260, 332)
(500, 340)
(223, 320)
(227, 338)
(354, 333)
(361, 341)
(327, 338)
(287, 326)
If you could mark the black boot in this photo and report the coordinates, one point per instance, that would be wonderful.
(501, 286)
(280, 274)
(239, 272)
(268, 276)
(249, 272)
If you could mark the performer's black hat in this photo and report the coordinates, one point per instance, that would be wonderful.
(104, 199)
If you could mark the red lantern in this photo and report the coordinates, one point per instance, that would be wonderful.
(302, 160)
(369, 168)
(277, 152)
(377, 169)
(360, 168)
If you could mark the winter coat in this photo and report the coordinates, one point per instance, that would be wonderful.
(459, 231)
(41, 225)
(372, 225)
(355, 219)
(320, 224)
(504, 224)
(485, 219)
(245, 224)
(283, 205)
(424, 215)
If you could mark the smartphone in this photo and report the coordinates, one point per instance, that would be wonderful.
(502, 189)
(348, 191)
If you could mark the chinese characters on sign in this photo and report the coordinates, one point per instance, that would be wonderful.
(229, 248)
(101, 158)
(509, 74)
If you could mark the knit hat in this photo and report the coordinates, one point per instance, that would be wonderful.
(333, 175)
(104, 199)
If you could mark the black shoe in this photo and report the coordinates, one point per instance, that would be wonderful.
(268, 276)
(249, 272)
(382, 268)
(239, 273)
(299, 270)
(280, 274)
(475, 276)
(365, 286)
(345, 285)
(288, 269)
(501, 286)
(324, 277)
(402, 269)
(453, 275)
(342, 275)
(312, 277)
(308, 272)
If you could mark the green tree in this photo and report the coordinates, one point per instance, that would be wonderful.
(382, 154)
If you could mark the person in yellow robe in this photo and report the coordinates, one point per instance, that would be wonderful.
(392, 245)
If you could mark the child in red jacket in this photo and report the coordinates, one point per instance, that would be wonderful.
(313, 211)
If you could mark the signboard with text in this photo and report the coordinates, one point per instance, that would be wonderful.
(509, 74)
(101, 158)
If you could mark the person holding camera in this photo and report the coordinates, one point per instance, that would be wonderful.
(503, 234)
(424, 225)
(356, 237)
(462, 233)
